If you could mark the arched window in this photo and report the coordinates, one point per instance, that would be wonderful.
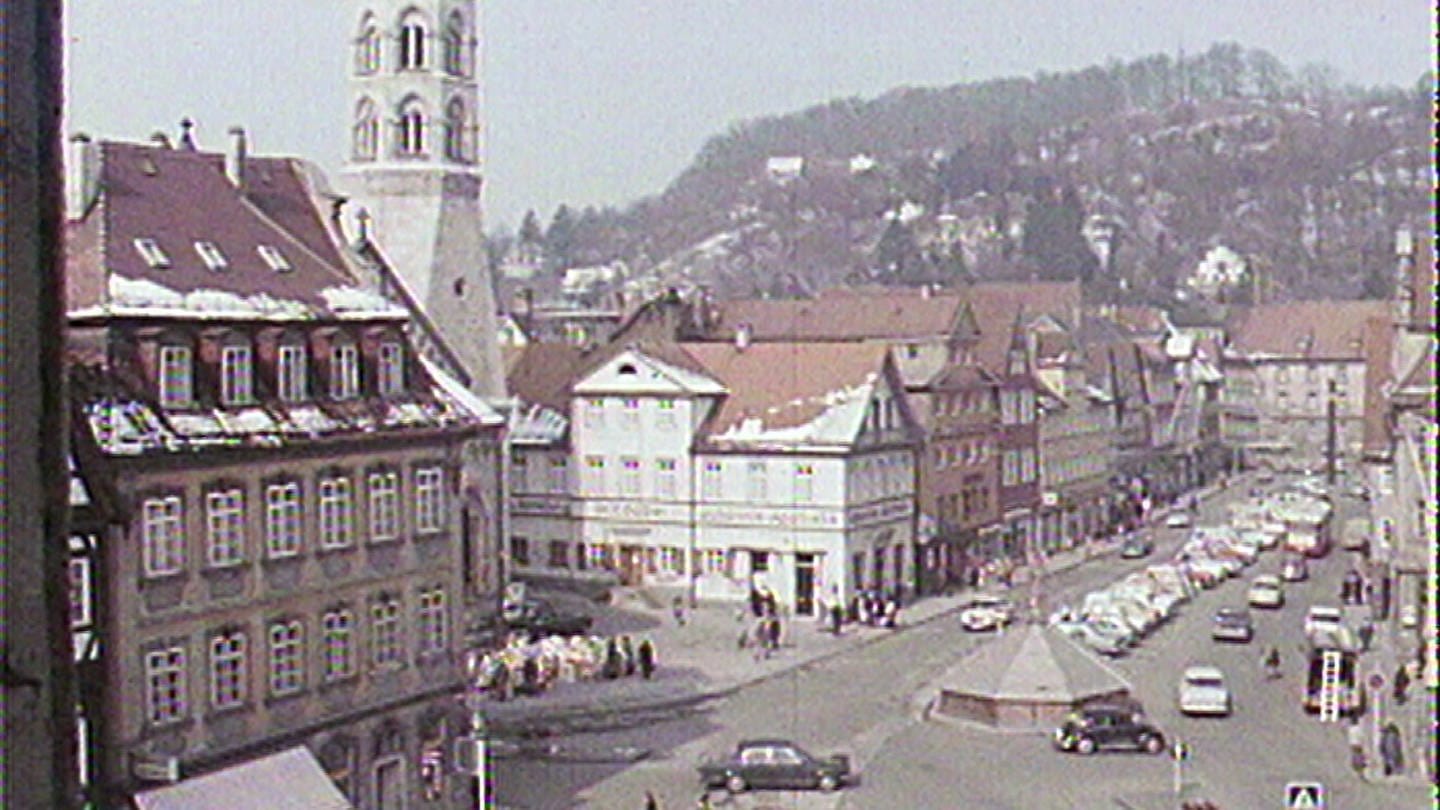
(365, 136)
(456, 123)
(412, 42)
(367, 46)
(410, 129)
(455, 44)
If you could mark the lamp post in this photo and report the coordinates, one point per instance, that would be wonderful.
(470, 749)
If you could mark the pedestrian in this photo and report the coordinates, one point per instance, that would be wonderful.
(677, 609)
(651, 803)
(1402, 685)
(772, 632)
(1355, 738)
(757, 602)
(1367, 633)
(761, 637)
(836, 616)
(645, 655)
(627, 655)
(1392, 754)
(610, 670)
(892, 613)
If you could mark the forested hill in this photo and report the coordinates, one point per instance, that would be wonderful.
(1128, 175)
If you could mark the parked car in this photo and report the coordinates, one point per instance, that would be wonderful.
(1266, 591)
(1106, 727)
(1294, 569)
(1260, 539)
(1203, 691)
(1325, 626)
(984, 613)
(1136, 546)
(1232, 624)
(540, 618)
(773, 764)
(1178, 520)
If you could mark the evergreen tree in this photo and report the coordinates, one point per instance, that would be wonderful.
(559, 239)
(1053, 238)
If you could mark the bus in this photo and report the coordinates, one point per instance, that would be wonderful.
(1307, 526)
(1344, 673)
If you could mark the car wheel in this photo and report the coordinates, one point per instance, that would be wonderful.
(1085, 745)
(735, 783)
(1152, 745)
(828, 782)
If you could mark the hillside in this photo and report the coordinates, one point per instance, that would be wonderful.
(1130, 176)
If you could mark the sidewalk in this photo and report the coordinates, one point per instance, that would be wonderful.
(702, 660)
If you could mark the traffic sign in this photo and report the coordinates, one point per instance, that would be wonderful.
(1304, 796)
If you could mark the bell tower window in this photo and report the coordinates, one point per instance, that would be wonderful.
(412, 43)
(411, 126)
(455, 45)
(455, 126)
(367, 47)
(366, 135)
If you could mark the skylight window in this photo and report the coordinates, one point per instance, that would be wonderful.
(150, 251)
(211, 255)
(274, 258)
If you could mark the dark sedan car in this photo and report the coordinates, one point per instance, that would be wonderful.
(774, 765)
(540, 618)
(1136, 546)
(1092, 729)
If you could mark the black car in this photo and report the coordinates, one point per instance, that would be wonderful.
(540, 618)
(1135, 547)
(1092, 729)
(774, 765)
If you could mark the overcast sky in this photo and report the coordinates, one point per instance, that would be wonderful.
(604, 101)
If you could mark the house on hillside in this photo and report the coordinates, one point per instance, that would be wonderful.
(295, 517)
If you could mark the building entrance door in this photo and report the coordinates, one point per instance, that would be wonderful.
(632, 565)
(804, 584)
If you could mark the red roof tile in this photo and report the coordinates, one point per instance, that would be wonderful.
(996, 305)
(1317, 329)
(848, 315)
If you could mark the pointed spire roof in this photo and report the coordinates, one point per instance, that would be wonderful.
(1033, 662)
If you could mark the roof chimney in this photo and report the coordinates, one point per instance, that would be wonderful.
(235, 157)
(742, 337)
(82, 175)
(187, 134)
(160, 139)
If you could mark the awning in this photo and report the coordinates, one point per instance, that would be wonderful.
(289, 780)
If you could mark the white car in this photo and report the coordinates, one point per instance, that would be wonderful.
(983, 613)
(1322, 619)
(1203, 691)
(1178, 520)
(1266, 591)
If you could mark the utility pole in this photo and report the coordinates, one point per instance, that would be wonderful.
(1330, 435)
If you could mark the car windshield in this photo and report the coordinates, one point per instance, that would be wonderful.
(1205, 681)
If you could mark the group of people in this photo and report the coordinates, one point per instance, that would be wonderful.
(763, 634)
(525, 667)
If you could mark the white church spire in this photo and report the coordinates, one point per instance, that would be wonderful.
(413, 161)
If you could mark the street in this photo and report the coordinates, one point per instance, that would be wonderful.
(868, 702)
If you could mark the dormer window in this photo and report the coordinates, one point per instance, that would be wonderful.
(412, 44)
(150, 251)
(392, 369)
(236, 382)
(177, 388)
(211, 255)
(274, 258)
(290, 373)
(344, 371)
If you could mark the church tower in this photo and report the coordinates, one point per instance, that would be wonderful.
(413, 165)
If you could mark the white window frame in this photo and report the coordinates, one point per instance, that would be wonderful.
(292, 372)
(337, 639)
(387, 649)
(274, 258)
(667, 478)
(630, 476)
(225, 527)
(175, 371)
(391, 376)
(594, 475)
(383, 487)
(162, 532)
(805, 483)
(152, 253)
(336, 506)
(344, 371)
(429, 500)
(227, 670)
(237, 385)
(594, 417)
(287, 657)
(211, 255)
(410, 127)
(166, 698)
(284, 519)
(412, 44)
(432, 622)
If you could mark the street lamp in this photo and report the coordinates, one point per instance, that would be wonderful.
(470, 753)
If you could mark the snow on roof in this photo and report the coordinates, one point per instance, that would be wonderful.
(462, 396)
(837, 423)
(140, 297)
(537, 424)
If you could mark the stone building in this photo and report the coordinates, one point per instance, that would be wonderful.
(291, 537)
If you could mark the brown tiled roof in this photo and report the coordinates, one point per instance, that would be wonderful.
(996, 305)
(544, 372)
(784, 384)
(850, 315)
(1150, 320)
(179, 197)
(1317, 329)
(1379, 340)
(1422, 286)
